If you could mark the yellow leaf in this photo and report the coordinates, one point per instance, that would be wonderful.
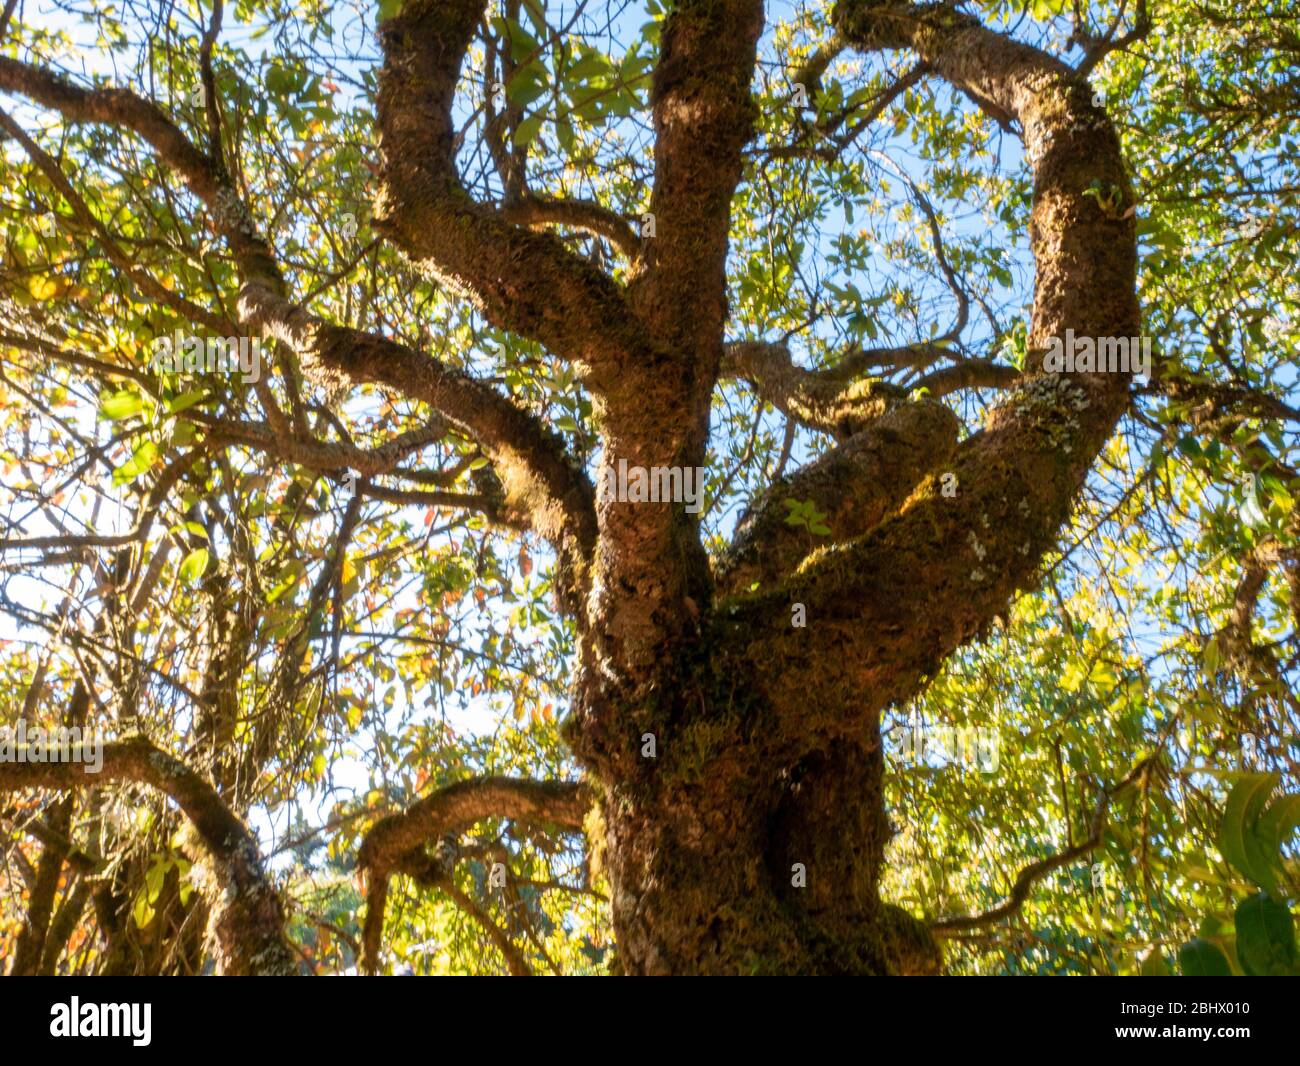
(45, 288)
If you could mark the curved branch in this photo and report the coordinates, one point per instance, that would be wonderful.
(247, 919)
(543, 487)
(817, 399)
(899, 600)
(515, 960)
(1025, 881)
(580, 214)
(941, 256)
(144, 282)
(123, 108)
(450, 811)
(1036, 871)
(856, 485)
(525, 282)
(971, 374)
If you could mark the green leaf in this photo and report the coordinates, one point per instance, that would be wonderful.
(564, 134)
(528, 129)
(1074, 675)
(1277, 824)
(1211, 656)
(194, 566)
(142, 459)
(522, 90)
(184, 401)
(142, 912)
(284, 586)
(536, 15)
(1265, 937)
(1154, 965)
(1200, 958)
(523, 45)
(121, 405)
(1237, 839)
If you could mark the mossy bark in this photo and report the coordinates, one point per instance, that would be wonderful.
(752, 840)
(768, 767)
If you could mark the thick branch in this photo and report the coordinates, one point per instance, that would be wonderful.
(818, 400)
(585, 215)
(703, 117)
(247, 919)
(971, 374)
(522, 281)
(449, 812)
(856, 485)
(123, 108)
(837, 401)
(543, 487)
(899, 600)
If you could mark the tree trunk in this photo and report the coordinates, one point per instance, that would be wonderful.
(734, 753)
(718, 866)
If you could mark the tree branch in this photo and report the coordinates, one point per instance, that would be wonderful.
(144, 282)
(703, 118)
(543, 487)
(856, 485)
(1098, 48)
(451, 811)
(816, 399)
(1036, 871)
(247, 919)
(515, 960)
(579, 214)
(123, 108)
(525, 282)
(898, 600)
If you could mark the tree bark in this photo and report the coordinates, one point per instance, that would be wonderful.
(734, 758)
(768, 765)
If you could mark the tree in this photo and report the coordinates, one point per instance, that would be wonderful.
(532, 286)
